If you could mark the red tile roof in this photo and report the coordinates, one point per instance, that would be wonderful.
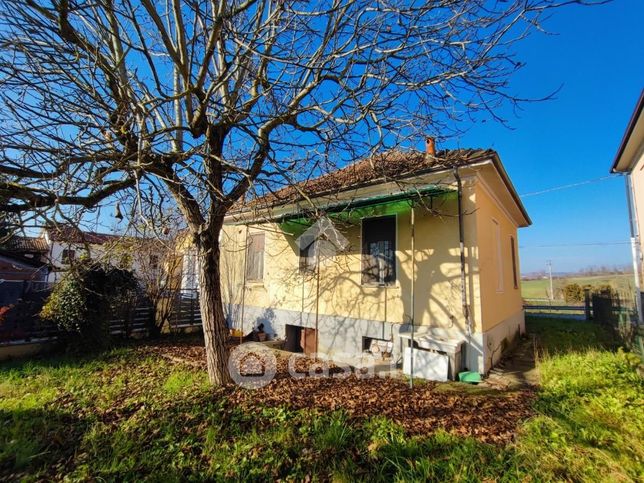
(389, 166)
(26, 244)
(71, 234)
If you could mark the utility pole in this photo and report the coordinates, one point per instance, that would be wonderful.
(549, 264)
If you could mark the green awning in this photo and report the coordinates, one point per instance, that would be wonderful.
(351, 212)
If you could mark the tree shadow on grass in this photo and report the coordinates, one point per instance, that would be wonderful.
(37, 442)
(61, 359)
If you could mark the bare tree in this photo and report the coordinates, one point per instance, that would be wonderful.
(207, 101)
(156, 262)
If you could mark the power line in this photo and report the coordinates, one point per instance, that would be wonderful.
(592, 244)
(566, 186)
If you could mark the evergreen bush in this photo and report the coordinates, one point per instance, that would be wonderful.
(85, 299)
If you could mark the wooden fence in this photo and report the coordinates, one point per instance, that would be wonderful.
(558, 308)
(26, 327)
(186, 313)
(614, 310)
(620, 315)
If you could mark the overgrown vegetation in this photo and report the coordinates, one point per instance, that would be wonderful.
(573, 292)
(539, 288)
(84, 300)
(125, 415)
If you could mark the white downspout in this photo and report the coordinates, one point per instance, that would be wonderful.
(413, 290)
(635, 247)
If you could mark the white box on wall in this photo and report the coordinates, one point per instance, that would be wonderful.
(427, 365)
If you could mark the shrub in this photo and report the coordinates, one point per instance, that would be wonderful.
(606, 290)
(573, 292)
(83, 301)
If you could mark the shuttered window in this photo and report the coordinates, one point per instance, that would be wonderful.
(255, 257)
(379, 250)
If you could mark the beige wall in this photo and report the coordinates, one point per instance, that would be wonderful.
(499, 296)
(438, 285)
(637, 183)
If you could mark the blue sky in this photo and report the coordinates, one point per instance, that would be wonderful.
(597, 56)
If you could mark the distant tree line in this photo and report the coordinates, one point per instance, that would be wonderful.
(590, 271)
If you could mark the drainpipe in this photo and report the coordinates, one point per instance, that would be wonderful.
(635, 247)
(413, 304)
(461, 239)
(243, 299)
(317, 297)
(384, 323)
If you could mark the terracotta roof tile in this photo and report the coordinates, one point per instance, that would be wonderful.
(384, 167)
(71, 234)
(27, 244)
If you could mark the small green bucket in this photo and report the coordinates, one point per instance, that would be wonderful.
(470, 377)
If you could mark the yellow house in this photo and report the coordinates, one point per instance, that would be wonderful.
(629, 161)
(365, 256)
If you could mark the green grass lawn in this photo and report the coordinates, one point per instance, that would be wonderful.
(538, 289)
(124, 416)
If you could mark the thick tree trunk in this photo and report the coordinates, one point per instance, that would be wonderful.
(212, 313)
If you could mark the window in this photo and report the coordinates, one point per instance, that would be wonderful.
(68, 256)
(154, 262)
(515, 277)
(307, 253)
(498, 255)
(379, 250)
(255, 257)
(189, 282)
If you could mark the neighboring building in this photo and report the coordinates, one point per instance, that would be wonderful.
(22, 266)
(629, 161)
(24, 259)
(15, 267)
(359, 278)
(59, 246)
(67, 244)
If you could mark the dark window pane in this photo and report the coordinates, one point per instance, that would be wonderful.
(68, 256)
(379, 250)
(307, 253)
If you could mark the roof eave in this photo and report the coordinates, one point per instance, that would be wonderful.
(513, 192)
(427, 191)
(365, 184)
(488, 156)
(22, 260)
(635, 117)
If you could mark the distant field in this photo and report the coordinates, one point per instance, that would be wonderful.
(538, 289)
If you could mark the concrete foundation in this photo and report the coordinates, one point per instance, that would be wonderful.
(342, 338)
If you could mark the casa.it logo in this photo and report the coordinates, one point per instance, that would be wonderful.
(252, 365)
